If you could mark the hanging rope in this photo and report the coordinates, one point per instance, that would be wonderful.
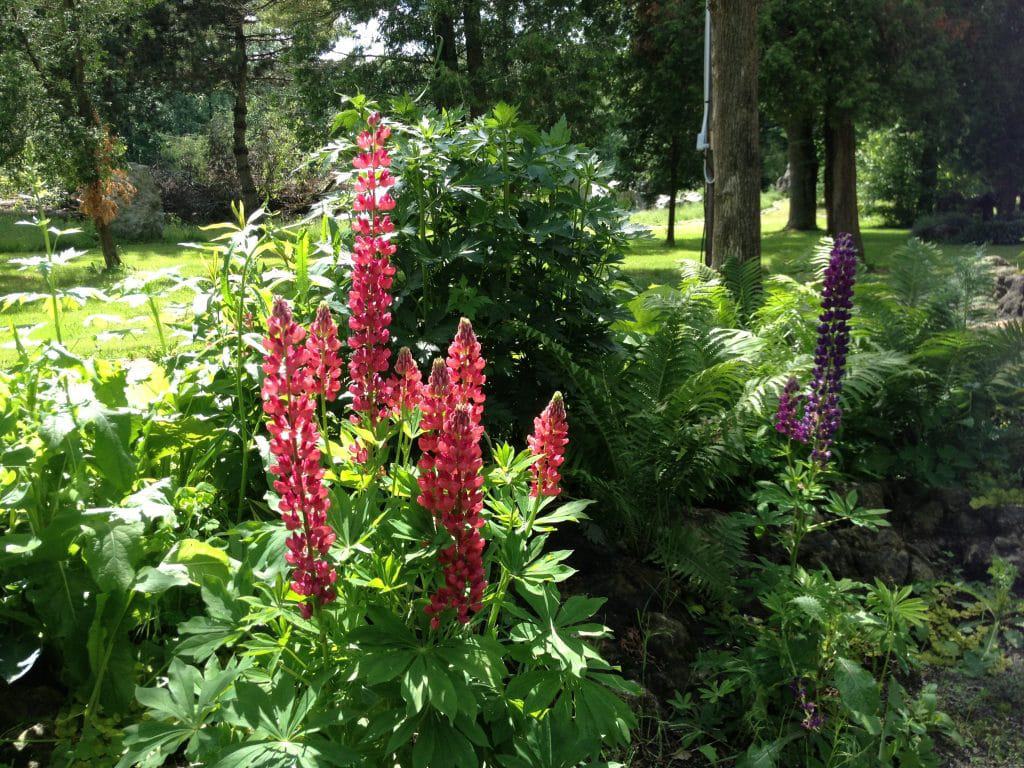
(704, 138)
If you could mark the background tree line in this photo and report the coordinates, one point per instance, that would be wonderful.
(907, 101)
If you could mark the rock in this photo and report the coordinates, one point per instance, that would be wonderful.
(1010, 294)
(871, 495)
(666, 654)
(782, 183)
(861, 554)
(141, 218)
(921, 569)
(928, 517)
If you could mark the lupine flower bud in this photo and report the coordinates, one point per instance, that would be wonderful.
(323, 345)
(287, 392)
(548, 441)
(788, 420)
(466, 367)
(372, 274)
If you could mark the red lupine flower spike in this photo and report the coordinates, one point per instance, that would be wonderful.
(434, 405)
(323, 345)
(548, 441)
(457, 502)
(288, 400)
(372, 274)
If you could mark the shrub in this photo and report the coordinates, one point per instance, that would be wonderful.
(888, 174)
(504, 224)
(401, 611)
(962, 228)
(811, 667)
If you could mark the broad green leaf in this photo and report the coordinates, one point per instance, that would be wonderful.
(810, 606)
(110, 449)
(112, 553)
(859, 693)
(201, 559)
(158, 580)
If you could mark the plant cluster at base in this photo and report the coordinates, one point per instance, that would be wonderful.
(430, 629)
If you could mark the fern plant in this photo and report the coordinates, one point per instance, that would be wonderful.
(676, 416)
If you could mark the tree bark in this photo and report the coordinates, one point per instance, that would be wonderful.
(240, 115)
(829, 175)
(735, 139)
(474, 57)
(673, 182)
(93, 172)
(928, 178)
(842, 160)
(445, 89)
(803, 174)
(1005, 190)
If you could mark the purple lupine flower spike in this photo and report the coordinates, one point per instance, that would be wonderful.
(822, 414)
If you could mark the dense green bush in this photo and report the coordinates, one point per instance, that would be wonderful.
(959, 227)
(888, 174)
(953, 411)
(196, 171)
(507, 225)
(677, 413)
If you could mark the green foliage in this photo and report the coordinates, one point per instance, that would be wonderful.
(889, 176)
(368, 680)
(950, 413)
(961, 227)
(507, 225)
(677, 417)
(975, 623)
(136, 517)
(809, 667)
(85, 526)
(814, 682)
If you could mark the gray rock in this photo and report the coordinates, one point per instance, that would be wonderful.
(1011, 302)
(141, 218)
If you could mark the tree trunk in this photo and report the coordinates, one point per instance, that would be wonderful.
(445, 88)
(673, 182)
(803, 175)
(92, 170)
(736, 231)
(1006, 197)
(240, 114)
(111, 258)
(829, 175)
(843, 161)
(928, 179)
(474, 57)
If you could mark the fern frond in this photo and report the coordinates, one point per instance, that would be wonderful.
(745, 281)
(705, 555)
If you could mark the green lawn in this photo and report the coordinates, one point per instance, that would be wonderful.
(84, 332)
(649, 262)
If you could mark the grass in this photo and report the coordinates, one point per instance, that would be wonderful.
(650, 261)
(83, 332)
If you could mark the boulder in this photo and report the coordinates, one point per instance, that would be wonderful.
(1010, 294)
(783, 182)
(142, 217)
